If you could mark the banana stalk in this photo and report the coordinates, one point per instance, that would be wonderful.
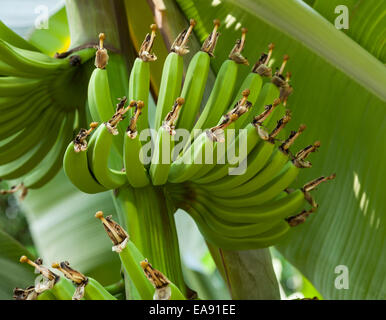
(147, 214)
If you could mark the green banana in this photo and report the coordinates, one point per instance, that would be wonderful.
(98, 93)
(31, 159)
(238, 230)
(52, 163)
(99, 159)
(223, 87)
(254, 135)
(278, 161)
(254, 82)
(256, 160)
(50, 283)
(15, 86)
(133, 261)
(14, 39)
(257, 196)
(171, 79)
(195, 80)
(62, 290)
(75, 164)
(264, 240)
(283, 206)
(31, 62)
(139, 80)
(27, 139)
(37, 105)
(162, 156)
(194, 161)
(86, 287)
(132, 153)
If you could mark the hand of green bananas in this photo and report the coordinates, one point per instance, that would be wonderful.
(40, 98)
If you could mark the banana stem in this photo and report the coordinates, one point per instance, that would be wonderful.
(248, 274)
(147, 214)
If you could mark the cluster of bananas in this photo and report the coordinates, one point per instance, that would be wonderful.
(149, 282)
(38, 115)
(251, 210)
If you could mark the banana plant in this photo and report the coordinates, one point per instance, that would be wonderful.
(198, 67)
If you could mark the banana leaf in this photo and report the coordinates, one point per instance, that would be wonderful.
(12, 272)
(339, 94)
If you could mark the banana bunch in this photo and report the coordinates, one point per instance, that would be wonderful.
(236, 210)
(38, 113)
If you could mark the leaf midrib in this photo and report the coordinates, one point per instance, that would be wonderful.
(304, 24)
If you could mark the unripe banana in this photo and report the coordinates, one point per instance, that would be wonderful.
(52, 163)
(31, 159)
(171, 80)
(195, 80)
(86, 287)
(266, 239)
(194, 161)
(223, 87)
(75, 164)
(31, 62)
(99, 159)
(162, 156)
(139, 81)
(132, 154)
(15, 86)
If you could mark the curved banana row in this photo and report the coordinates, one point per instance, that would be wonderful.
(38, 114)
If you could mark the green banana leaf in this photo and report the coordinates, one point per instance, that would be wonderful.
(12, 272)
(367, 21)
(340, 96)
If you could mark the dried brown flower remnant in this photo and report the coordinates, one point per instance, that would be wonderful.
(171, 118)
(101, 57)
(158, 280)
(117, 234)
(147, 44)
(179, 45)
(80, 142)
(210, 42)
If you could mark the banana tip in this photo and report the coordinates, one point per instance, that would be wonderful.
(246, 92)
(144, 263)
(140, 104)
(99, 215)
(180, 100)
(276, 102)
